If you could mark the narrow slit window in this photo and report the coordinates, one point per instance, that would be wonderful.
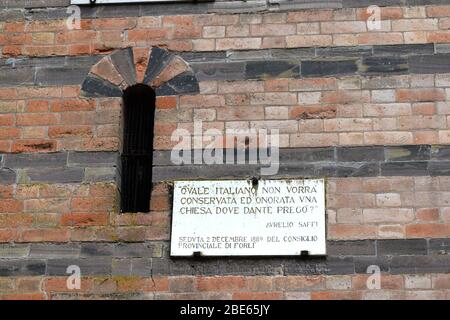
(137, 149)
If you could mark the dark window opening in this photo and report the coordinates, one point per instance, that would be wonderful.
(137, 148)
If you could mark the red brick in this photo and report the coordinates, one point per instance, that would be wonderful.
(174, 68)
(69, 131)
(387, 13)
(428, 230)
(441, 281)
(72, 105)
(438, 11)
(313, 112)
(420, 95)
(182, 284)
(23, 296)
(144, 35)
(391, 282)
(44, 235)
(29, 285)
(37, 106)
(427, 214)
(342, 231)
(8, 235)
(221, 283)
(336, 295)
(6, 191)
(36, 119)
(257, 296)
(9, 133)
(85, 219)
(60, 285)
(309, 15)
(10, 206)
(298, 283)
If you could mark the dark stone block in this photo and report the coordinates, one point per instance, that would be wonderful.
(141, 267)
(219, 70)
(402, 247)
(439, 246)
(135, 250)
(7, 176)
(439, 168)
(100, 174)
(250, 55)
(294, 53)
(420, 264)
(93, 159)
(89, 267)
(117, 11)
(162, 158)
(357, 169)
(56, 175)
(237, 7)
(164, 266)
(207, 266)
(97, 250)
(416, 168)
(124, 63)
(47, 14)
(36, 160)
(363, 263)
(437, 63)
(165, 90)
(314, 68)
(203, 56)
(306, 170)
(81, 61)
(25, 4)
(344, 51)
(10, 76)
(374, 65)
(8, 250)
(183, 84)
(121, 267)
(295, 155)
(204, 172)
(359, 154)
(159, 58)
(95, 87)
(440, 153)
(156, 9)
(19, 267)
(404, 49)
(329, 265)
(49, 251)
(59, 76)
(32, 62)
(249, 266)
(351, 248)
(408, 153)
(367, 3)
(272, 69)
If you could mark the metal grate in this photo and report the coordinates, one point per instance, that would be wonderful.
(137, 151)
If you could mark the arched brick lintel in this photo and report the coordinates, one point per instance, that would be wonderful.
(167, 73)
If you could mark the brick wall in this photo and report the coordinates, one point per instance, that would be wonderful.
(368, 110)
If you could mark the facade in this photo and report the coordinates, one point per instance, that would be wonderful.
(363, 105)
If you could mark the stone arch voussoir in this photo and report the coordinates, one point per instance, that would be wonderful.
(167, 73)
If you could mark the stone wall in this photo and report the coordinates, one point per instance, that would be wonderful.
(368, 110)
